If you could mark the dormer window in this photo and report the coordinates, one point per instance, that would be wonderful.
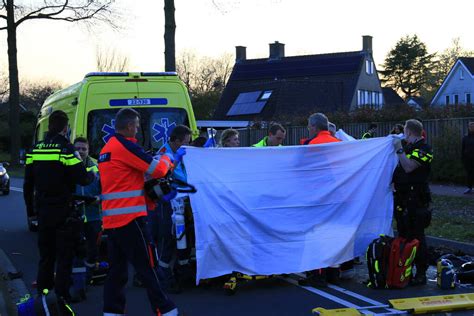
(461, 74)
(369, 67)
(265, 95)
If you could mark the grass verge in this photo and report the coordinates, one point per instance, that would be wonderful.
(453, 218)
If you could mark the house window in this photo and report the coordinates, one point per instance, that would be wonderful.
(447, 100)
(374, 98)
(461, 74)
(265, 95)
(456, 99)
(366, 97)
(359, 97)
(468, 98)
(380, 99)
(369, 67)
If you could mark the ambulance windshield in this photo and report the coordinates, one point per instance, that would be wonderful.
(156, 125)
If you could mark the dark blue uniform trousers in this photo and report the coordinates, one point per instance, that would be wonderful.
(56, 245)
(131, 243)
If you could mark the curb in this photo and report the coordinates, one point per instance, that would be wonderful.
(11, 289)
(466, 248)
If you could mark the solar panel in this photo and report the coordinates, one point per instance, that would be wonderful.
(246, 103)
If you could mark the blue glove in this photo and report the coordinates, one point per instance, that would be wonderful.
(168, 197)
(210, 143)
(178, 155)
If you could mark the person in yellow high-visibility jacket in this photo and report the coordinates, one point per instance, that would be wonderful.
(276, 136)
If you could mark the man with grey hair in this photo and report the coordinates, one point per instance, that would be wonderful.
(319, 134)
(318, 130)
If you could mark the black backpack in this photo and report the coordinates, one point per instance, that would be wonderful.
(463, 267)
(378, 254)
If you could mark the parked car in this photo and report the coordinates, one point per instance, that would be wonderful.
(4, 178)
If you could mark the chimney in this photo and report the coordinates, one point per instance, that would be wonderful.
(277, 50)
(367, 43)
(240, 53)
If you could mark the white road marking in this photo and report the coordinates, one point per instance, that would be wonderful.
(362, 309)
(361, 297)
(324, 294)
(16, 189)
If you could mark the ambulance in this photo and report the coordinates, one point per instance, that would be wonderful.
(161, 98)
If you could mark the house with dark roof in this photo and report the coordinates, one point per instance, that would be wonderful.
(281, 86)
(458, 86)
(391, 97)
(416, 102)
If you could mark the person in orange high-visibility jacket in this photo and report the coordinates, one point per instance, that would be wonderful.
(318, 127)
(122, 166)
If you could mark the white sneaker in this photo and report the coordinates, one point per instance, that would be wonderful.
(468, 190)
(173, 312)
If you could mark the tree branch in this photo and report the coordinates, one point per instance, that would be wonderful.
(38, 12)
(71, 13)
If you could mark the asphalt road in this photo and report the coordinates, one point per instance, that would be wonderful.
(268, 297)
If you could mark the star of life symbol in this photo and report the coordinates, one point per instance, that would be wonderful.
(162, 131)
(109, 130)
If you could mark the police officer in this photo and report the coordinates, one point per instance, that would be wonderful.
(122, 167)
(370, 132)
(412, 193)
(53, 168)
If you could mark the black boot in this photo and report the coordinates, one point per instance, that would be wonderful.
(315, 278)
(419, 279)
(333, 276)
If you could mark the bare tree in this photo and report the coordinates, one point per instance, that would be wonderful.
(170, 30)
(448, 57)
(13, 13)
(203, 74)
(33, 94)
(110, 60)
(3, 86)
(206, 78)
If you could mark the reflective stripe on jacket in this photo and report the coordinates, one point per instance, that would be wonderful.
(122, 167)
(367, 135)
(51, 173)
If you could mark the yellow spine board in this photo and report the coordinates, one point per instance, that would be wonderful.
(431, 304)
(336, 312)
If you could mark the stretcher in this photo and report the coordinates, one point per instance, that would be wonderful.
(230, 287)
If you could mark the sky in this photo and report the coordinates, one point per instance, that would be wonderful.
(64, 52)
